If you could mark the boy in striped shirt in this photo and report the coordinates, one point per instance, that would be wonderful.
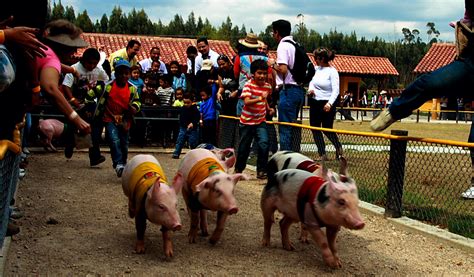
(252, 120)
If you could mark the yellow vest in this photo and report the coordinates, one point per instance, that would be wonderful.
(201, 170)
(143, 177)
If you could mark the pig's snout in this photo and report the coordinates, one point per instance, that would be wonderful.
(359, 226)
(233, 210)
(176, 227)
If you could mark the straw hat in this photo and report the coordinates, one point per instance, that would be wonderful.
(67, 40)
(250, 41)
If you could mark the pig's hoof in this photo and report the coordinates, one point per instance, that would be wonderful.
(169, 253)
(288, 246)
(213, 240)
(265, 243)
(204, 234)
(333, 262)
(140, 247)
(304, 240)
(192, 239)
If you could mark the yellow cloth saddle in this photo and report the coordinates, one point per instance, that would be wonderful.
(201, 170)
(143, 177)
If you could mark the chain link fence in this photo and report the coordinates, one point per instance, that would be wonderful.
(419, 178)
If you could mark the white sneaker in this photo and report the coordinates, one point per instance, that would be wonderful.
(468, 194)
(119, 170)
(26, 151)
(382, 122)
(22, 173)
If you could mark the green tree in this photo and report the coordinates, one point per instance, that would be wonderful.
(69, 14)
(432, 31)
(199, 25)
(207, 29)
(176, 26)
(117, 22)
(58, 11)
(138, 23)
(104, 23)
(190, 27)
(84, 22)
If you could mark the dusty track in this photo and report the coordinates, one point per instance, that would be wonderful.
(95, 236)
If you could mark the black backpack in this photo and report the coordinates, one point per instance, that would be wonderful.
(303, 69)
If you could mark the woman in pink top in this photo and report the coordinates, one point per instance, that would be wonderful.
(62, 39)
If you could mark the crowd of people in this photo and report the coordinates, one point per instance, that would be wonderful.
(97, 93)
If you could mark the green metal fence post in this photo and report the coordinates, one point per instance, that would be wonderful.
(396, 175)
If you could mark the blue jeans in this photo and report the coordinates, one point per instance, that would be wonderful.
(291, 100)
(192, 136)
(247, 134)
(455, 79)
(118, 143)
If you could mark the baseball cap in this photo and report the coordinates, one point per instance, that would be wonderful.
(121, 62)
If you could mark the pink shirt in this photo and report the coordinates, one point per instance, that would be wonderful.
(51, 60)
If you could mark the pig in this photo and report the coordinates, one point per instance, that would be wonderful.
(150, 197)
(50, 129)
(207, 186)
(226, 155)
(329, 200)
(288, 159)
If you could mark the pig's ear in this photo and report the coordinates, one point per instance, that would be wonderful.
(239, 176)
(156, 188)
(324, 170)
(178, 182)
(343, 166)
(203, 185)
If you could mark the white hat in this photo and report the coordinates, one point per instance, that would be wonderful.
(383, 92)
(207, 65)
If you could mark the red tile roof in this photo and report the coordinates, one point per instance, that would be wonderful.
(439, 55)
(358, 64)
(170, 48)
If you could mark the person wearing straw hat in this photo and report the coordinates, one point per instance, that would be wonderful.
(62, 39)
(247, 53)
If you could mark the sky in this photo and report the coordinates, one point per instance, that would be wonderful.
(368, 18)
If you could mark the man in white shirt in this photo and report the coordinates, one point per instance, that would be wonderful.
(291, 94)
(154, 56)
(204, 53)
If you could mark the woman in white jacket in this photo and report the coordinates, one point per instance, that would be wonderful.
(323, 93)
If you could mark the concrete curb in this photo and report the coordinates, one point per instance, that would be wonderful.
(412, 225)
(4, 255)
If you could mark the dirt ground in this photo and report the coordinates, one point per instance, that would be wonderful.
(76, 222)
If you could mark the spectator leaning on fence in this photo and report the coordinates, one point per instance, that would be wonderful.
(128, 53)
(455, 79)
(189, 117)
(19, 47)
(205, 52)
(154, 57)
